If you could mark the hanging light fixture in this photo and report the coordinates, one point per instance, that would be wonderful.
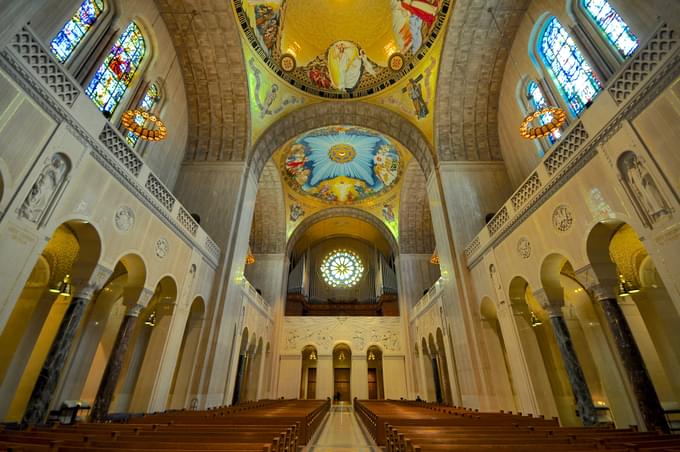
(250, 259)
(535, 321)
(151, 319)
(371, 356)
(435, 258)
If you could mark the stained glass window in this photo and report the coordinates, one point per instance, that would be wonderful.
(342, 268)
(75, 29)
(537, 101)
(569, 69)
(111, 80)
(151, 97)
(612, 25)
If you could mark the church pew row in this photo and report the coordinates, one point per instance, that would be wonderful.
(419, 427)
(280, 426)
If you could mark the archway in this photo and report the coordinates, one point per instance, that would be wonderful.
(186, 359)
(241, 369)
(342, 369)
(308, 372)
(529, 320)
(374, 358)
(68, 259)
(134, 389)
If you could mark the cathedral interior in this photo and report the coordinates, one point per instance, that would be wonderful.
(468, 203)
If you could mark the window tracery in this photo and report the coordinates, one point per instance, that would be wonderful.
(612, 26)
(113, 77)
(571, 72)
(342, 269)
(73, 31)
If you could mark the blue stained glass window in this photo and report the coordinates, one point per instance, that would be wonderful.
(612, 25)
(151, 97)
(572, 73)
(113, 77)
(75, 29)
(538, 101)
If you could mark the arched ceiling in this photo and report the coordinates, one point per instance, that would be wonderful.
(416, 235)
(268, 232)
(471, 68)
(206, 37)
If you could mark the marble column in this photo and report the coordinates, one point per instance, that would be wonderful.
(640, 382)
(577, 379)
(38, 405)
(109, 380)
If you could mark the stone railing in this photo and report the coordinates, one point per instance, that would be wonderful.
(635, 85)
(427, 299)
(256, 299)
(32, 66)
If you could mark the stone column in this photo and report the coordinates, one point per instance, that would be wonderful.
(109, 380)
(604, 292)
(48, 378)
(577, 379)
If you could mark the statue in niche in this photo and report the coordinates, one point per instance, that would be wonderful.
(642, 188)
(45, 189)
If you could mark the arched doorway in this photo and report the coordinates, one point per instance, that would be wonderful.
(342, 368)
(376, 389)
(308, 373)
(179, 390)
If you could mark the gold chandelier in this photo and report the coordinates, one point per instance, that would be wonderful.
(156, 134)
(531, 133)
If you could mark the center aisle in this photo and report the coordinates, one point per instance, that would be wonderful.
(342, 433)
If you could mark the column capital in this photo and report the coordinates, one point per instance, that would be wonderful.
(599, 280)
(145, 297)
(86, 288)
(553, 309)
(133, 311)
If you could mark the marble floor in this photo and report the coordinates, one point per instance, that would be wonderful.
(341, 432)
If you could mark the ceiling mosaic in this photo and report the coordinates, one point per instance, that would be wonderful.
(339, 49)
(342, 165)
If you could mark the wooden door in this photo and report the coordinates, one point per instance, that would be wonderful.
(311, 383)
(372, 384)
(342, 384)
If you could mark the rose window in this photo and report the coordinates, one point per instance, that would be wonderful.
(342, 268)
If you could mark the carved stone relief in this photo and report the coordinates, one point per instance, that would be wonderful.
(562, 218)
(162, 247)
(124, 218)
(524, 248)
(45, 190)
(326, 332)
(642, 189)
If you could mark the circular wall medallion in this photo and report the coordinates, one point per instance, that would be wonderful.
(288, 63)
(562, 218)
(162, 247)
(396, 62)
(524, 248)
(124, 218)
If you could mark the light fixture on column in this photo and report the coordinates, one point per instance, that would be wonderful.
(151, 319)
(312, 356)
(535, 321)
(371, 356)
(625, 287)
(250, 259)
(64, 287)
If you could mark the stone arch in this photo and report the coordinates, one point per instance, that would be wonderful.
(347, 113)
(471, 68)
(416, 234)
(342, 212)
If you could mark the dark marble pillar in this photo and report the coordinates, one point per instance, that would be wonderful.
(643, 388)
(579, 386)
(38, 405)
(109, 381)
